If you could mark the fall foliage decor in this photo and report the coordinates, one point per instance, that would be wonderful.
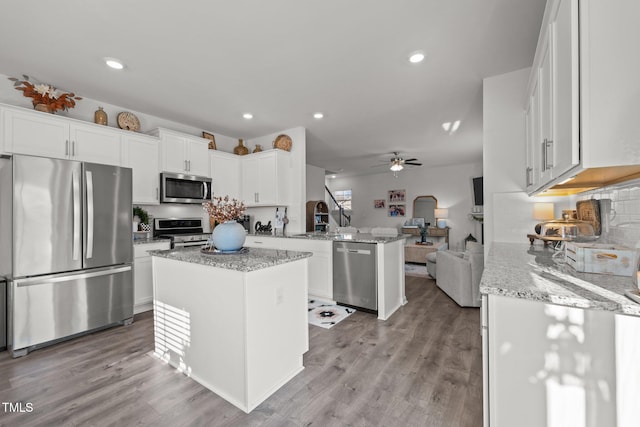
(223, 209)
(45, 95)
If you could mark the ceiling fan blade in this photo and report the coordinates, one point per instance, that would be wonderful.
(410, 160)
(413, 163)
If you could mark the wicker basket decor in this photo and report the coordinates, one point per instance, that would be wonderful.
(283, 142)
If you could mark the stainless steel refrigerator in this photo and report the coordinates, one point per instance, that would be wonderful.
(66, 248)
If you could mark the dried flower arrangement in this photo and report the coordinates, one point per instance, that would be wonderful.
(45, 95)
(223, 209)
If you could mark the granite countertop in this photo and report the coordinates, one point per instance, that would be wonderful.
(146, 240)
(529, 272)
(253, 259)
(355, 237)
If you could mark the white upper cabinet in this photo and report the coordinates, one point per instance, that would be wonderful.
(42, 134)
(181, 153)
(226, 174)
(142, 154)
(585, 78)
(552, 112)
(95, 143)
(532, 131)
(610, 82)
(566, 106)
(265, 178)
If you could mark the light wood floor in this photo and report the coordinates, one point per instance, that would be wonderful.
(422, 367)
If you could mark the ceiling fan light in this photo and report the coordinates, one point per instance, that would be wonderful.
(396, 166)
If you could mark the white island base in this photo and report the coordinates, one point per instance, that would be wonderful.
(240, 334)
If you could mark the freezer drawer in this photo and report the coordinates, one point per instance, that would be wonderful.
(354, 274)
(3, 315)
(47, 308)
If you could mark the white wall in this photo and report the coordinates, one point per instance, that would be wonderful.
(315, 183)
(450, 185)
(503, 146)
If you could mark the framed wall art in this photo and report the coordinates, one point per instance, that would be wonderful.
(378, 203)
(396, 210)
(397, 196)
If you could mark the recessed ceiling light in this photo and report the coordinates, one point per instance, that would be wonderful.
(114, 63)
(333, 176)
(318, 115)
(416, 57)
(247, 116)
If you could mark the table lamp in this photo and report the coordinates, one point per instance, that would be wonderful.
(543, 211)
(441, 216)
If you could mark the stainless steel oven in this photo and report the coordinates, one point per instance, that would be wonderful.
(181, 188)
(182, 232)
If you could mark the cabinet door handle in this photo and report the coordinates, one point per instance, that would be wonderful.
(189, 163)
(73, 148)
(544, 155)
(548, 157)
(157, 193)
(528, 177)
(185, 166)
(66, 148)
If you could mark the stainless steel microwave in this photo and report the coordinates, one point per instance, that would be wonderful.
(181, 188)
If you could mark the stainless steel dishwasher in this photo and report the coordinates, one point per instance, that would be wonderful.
(355, 280)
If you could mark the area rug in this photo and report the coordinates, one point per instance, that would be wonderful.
(416, 270)
(327, 315)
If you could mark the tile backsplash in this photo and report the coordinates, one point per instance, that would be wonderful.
(623, 227)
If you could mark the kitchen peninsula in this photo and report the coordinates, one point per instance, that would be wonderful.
(235, 323)
(559, 347)
(389, 263)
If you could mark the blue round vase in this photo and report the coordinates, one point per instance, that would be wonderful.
(228, 236)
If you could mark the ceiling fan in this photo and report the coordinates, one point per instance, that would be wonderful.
(396, 163)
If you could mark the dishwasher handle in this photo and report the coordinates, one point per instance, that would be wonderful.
(354, 251)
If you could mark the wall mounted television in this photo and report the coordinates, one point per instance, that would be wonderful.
(478, 196)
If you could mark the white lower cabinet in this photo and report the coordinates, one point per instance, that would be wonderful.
(320, 264)
(143, 276)
(552, 365)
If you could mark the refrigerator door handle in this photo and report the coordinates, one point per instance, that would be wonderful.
(90, 214)
(66, 277)
(75, 183)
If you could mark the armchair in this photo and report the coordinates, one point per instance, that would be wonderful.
(459, 274)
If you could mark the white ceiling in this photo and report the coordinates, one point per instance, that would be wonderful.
(204, 63)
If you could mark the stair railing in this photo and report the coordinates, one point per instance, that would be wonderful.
(342, 216)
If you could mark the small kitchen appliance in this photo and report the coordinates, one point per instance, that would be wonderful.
(182, 232)
(181, 188)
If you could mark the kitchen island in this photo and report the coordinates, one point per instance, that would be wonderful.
(235, 323)
(389, 263)
(560, 347)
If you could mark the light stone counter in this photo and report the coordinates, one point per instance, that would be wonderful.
(529, 272)
(253, 259)
(148, 240)
(337, 237)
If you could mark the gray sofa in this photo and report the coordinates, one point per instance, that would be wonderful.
(459, 274)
